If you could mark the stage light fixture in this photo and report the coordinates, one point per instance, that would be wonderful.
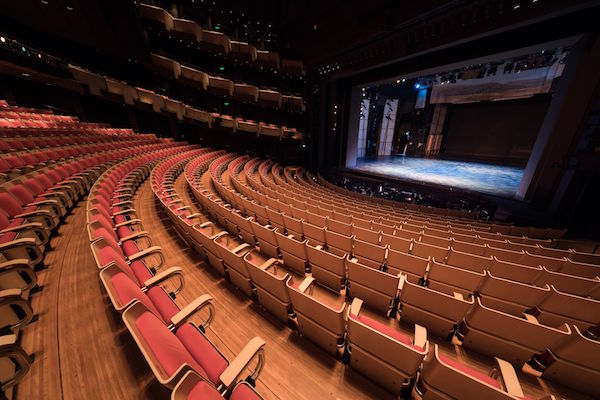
(417, 85)
(2, 39)
(398, 81)
(403, 80)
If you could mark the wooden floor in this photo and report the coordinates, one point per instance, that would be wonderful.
(82, 349)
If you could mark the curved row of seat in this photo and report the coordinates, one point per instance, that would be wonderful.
(506, 297)
(31, 208)
(562, 308)
(175, 348)
(397, 356)
(99, 85)
(443, 218)
(218, 40)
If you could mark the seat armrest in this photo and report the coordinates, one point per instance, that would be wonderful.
(165, 275)
(122, 203)
(136, 235)
(129, 222)
(24, 227)
(420, 336)
(14, 263)
(240, 247)
(17, 243)
(194, 307)
(510, 379)
(183, 208)
(254, 348)
(268, 263)
(205, 224)
(356, 306)
(128, 211)
(531, 318)
(306, 283)
(147, 252)
(43, 203)
(458, 296)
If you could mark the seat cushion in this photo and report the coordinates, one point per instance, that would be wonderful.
(130, 248)
(127, 290)
(7, 237)
(204, 391)
(382, 328)
(140, 271)
(163, 302)
(167, 349)
(203, 351)
(119, 219)
(124, 231)
(480, 376)
(244, 392)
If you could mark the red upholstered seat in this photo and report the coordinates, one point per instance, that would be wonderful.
(382, 328)
(128, 290)
(163, 302)
(12, 206)
(244, 392)
(166, 347)
(480, 376)
(138, 268)
(203, 351)
(140, 271)
(130, 248)
(155, 299)
(124, 231)
(204, 391)
(7, 237)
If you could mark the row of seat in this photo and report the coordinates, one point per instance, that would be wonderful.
(471, 241)
(99, 85)
(381, 251)
(428, 213)
(176, 349)
(217, 40)
(31, 208)
(375, 349)
(370, 283)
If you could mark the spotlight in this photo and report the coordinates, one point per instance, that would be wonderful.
(417, 85)
(2, 39)
(403, 80)
(398, 81)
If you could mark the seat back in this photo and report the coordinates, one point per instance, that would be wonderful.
(446, 378)
(427, 250)
(436, 311)
(377, 288)
(515, 272)
(319, 321)
(449, 279)
(511, 296)
(413, 267)
(381, 352)
(511, 337)
(328, 267)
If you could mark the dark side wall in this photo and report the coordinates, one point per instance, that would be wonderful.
(501, 132)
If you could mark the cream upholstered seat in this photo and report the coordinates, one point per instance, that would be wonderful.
(382, 352)
(319, 313)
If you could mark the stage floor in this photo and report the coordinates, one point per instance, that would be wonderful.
(486, 178)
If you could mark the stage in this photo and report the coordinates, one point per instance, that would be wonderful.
(484, 178)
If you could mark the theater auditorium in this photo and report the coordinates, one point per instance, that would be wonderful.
(265, 199)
